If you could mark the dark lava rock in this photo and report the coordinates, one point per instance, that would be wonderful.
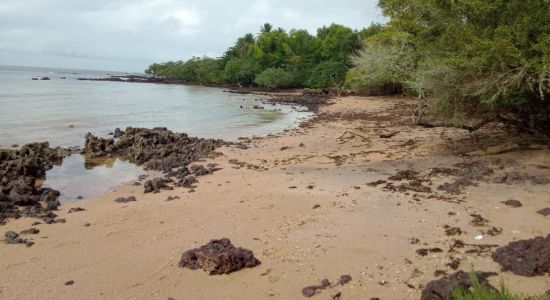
(517, 177)
(19, 171)
(376, 183)
(310, 291)
(170, 198)
(525, 257)
(118, 133)
(539, 179)
(426, 251)
(75, 209)
(344, 279)
(545, 211)
(125, 199)
(451, 230)
(442, 289)
(218, 257)
(512, 203)
(11, 237)
(154, 185)
(156, 149)
(468, 175)
(187, 181)
(30, 231)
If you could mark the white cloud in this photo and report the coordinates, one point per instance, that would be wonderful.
(140, 32)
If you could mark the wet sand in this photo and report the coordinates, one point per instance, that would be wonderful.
(301, 203)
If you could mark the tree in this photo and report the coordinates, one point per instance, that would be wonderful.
(275, 78)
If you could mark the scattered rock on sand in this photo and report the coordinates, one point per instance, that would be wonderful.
(75, 209)
(70, 282)
(125, 199)
(312, 290)
(170, 198)
(218, 257)
(426, 251)
(154, 185)
(12, 237)
(442, 289)
(30, 231)
(512, 203)
(525, 257)
(545, 211)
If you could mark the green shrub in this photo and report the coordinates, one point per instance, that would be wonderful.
(275, 78)
(327, 74)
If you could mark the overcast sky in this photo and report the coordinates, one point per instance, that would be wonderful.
(128, 35)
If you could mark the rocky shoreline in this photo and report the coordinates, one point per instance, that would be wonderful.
(408, 208)
(157, 149)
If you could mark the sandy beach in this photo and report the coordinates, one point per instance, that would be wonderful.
(302, 202)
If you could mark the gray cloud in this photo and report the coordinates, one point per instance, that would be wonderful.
(130, 34)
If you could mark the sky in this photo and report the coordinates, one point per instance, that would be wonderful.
(128, 35)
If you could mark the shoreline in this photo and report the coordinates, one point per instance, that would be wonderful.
(301, 201)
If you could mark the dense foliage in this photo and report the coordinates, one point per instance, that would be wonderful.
(275, 58)
(467, 57)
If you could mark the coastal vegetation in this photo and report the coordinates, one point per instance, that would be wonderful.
(275, 59)
(488, 60)
(464, 60)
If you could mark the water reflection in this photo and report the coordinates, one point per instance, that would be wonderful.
(78, 177)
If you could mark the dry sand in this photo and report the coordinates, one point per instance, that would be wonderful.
(131, 251)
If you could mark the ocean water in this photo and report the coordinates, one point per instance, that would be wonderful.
(63, 109)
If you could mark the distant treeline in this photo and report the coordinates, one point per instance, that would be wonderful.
(275, 58)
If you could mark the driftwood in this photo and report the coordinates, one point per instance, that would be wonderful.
(470, 128)
(356, 133)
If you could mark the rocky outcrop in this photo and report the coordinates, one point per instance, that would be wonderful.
(157, 149)
(218, 257)
(19, 172)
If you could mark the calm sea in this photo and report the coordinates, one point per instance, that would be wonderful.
(63, 109)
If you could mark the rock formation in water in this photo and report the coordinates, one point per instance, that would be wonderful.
(19, 171)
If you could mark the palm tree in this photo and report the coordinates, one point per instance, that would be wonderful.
(266, 28)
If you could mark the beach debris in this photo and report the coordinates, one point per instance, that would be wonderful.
(312, 290)
(70, 282)
(512, 203)
(525, 257)
(125, 199)
(478, 237)
(218, 257)
(545, 212)
(316, 206)
(442, 289)
(354, 132)
(388, 135)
